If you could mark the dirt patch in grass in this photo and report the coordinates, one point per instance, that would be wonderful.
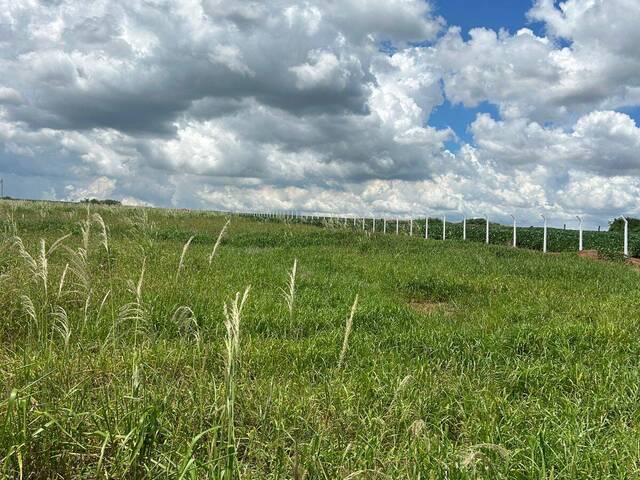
(424, 307)
(634, 262)
(591, 254)
(594, 255)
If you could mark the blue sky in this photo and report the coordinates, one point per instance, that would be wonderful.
(469, 14)
(493, 14)
(496, 15)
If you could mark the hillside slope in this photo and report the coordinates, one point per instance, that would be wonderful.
(464, 360)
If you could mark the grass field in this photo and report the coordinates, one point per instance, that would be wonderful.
(462, 361)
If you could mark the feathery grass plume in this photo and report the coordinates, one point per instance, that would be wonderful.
(44, 264)
(85, 317)
(80, 269)
(37, 266)
(104, 236)
(290, 293)
(32, 314)
(136, 375)
(135, 311)
(104, 300)
(347, 333)
(232, 315)
(140, 221)
(85, 228)
(185, 321)
(22, 251)
(29, 308)
(217, 244)
(184, 253)
(63, 276)
(55, 245)
(12, 228)
(61, 326)
(138, 290)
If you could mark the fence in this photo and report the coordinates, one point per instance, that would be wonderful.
(542, 237)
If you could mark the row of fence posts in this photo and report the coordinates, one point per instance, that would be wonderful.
(304, 218)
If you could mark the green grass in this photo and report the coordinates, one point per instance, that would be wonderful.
(464, 360)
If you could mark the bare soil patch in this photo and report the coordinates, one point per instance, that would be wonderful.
(634, 262)
(591, 254)
(425, 307)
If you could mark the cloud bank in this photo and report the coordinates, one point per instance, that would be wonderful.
(321, 106)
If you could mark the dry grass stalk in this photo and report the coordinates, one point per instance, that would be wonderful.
(232, 315)
(38, 266)
(62, 326)
(104, 231)
(63, 276)
(79, 267)
(217, 244)
(347, 333)
(290, 293)
(85, 228)
(135, 311)
(182, 256)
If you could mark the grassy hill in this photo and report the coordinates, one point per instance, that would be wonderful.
(463, 360)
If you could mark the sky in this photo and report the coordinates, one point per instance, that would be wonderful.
(359, 107)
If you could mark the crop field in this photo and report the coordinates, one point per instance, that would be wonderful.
(148, 343)
(609, 244)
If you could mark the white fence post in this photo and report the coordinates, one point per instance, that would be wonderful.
(444, 227)
(626, 236)
(363, 228)
(384, 226)
(580, 246)
(514, 243)
(544, 235)
(397, 226)
(411, 227)
(464, 227)
(426, 228)
(486, 239)
(374, 225)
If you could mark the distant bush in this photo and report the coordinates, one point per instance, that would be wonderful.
(617, 225)
(96, 201)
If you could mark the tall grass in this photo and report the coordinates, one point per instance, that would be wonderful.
(104, 232)
(233, 315)
(182, 256)
(347, 333)
(289, 293)
(466, 361)
(218, 240)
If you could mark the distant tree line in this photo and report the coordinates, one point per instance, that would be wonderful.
(96, 201)
(617, 225)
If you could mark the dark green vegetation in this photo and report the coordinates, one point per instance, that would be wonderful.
(617, 225)
(464, 361)
(608, 243)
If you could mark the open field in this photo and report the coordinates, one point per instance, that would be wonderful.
(463, 360)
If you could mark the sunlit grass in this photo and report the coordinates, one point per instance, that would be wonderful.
(127, 352)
